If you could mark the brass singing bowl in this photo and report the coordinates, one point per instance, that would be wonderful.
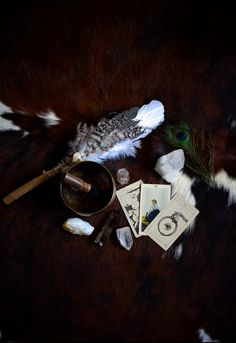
(86, 204)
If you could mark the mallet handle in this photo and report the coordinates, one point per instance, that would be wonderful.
(17, 193)
(77, 183)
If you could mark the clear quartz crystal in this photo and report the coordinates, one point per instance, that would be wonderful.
(125, 238)
(123, 176)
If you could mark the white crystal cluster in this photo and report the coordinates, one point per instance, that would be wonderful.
(78, 226)
(168, 166)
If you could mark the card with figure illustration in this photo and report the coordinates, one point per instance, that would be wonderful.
(153, 198)
(129, 198)
(171, 221)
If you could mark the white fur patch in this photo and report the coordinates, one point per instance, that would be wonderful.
(233, 124)
(178, 251)
(6, 124)
(4, 108)
(204, 337)
(183, 186)
(25, 133)
(223, 180)
(49, 118)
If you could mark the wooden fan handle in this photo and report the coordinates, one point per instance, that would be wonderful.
(17, 193)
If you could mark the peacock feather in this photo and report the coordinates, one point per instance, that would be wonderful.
(197, 145)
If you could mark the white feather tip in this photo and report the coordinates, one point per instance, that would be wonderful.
(150, 115)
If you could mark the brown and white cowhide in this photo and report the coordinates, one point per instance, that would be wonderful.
(71, 61)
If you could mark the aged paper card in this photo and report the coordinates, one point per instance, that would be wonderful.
(129, 198)
(153, 199)
(171, 222)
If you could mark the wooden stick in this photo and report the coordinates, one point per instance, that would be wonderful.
(17, 193)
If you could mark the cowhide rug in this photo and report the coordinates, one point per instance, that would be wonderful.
(66, 62)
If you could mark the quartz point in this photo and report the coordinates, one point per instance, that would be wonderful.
(123, 176)
(125, 238)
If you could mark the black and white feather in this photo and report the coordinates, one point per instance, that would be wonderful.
(117, 137)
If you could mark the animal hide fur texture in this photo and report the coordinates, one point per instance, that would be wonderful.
(76, 61)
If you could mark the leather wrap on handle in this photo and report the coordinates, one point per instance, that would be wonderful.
(17, 193)
(77, 183)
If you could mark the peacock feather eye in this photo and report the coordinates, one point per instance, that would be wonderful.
(182, 135)
(197, 146)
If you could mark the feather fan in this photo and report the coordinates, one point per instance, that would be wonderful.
(116, 137)
(110, 139)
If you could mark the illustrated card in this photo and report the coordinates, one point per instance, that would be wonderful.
(171, 222)
(129, 198)
(153, 199)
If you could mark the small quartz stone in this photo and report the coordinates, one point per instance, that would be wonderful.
(123, 176)
(125, 238)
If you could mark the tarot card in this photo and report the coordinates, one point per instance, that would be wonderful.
(129, 198)
(153, 198)
(171, 222)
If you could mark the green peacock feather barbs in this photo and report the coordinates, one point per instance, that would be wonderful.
(197, 145)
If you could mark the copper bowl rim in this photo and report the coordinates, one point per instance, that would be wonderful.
(85, 214)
